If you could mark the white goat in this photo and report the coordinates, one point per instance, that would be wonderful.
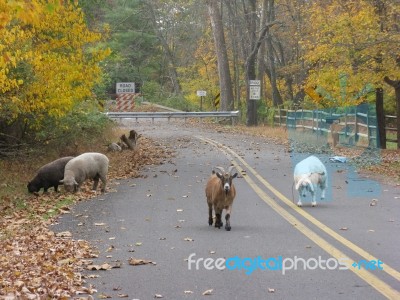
(220, 193)
(308, 174)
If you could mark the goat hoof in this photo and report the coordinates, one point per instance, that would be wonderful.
(313, 204)
(219, 225)
(299, 204)
(228, 228)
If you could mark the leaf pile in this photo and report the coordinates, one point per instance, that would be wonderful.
(36, 263)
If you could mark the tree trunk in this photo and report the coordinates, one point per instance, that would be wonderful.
(380, 118)
(396, 85)
(251, 119)
(276, 96)
(235, 44)
(222, 56)
(130, 141)
(167, 50)
(261, 53)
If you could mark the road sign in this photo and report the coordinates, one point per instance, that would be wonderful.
(254, 82)
(254, 92)
(201, 93)
(254, 89)
(125, 88)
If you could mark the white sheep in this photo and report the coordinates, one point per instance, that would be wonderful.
(89, 165)
(308, 174)
(220, 193)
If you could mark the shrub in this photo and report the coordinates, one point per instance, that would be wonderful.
(80, 128)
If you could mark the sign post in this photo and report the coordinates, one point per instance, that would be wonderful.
(201, 94)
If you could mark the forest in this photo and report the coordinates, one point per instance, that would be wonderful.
(60, 60)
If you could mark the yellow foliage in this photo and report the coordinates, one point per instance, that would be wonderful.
(201, 75)
(346, 37)
(46, 65)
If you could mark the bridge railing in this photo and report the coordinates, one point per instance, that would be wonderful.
(233, 115)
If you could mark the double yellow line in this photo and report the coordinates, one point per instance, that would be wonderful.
(368, 277)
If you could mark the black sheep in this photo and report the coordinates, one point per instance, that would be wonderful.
(49, 175)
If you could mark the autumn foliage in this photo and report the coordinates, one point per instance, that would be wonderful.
(49, 60)
(352, 39)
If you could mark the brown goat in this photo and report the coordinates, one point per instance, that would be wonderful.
(220, 193)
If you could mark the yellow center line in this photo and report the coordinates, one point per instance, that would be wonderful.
(389, 270)
(371, 279)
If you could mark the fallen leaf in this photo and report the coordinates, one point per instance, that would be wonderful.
(343, 228)
(374, 202)
(137, 262)
(158, 296)
(99, 224)
(123, 295)
(188, 239)
(111, 248)
(104, 296)
(103, 267)
(271, 290)
(208, 292)
(64, 234)
(188, 292)
(179, 210)
(138, 244)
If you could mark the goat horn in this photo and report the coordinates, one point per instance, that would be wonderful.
(220, 168)
(230, 169)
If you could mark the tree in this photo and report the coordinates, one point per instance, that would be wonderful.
(346, 37)
(269, 7)
(49, 61)
(222, 56)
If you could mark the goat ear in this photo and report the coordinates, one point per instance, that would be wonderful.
(235, 175)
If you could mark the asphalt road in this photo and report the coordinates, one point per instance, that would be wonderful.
(163, 218)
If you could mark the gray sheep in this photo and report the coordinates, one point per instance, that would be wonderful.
(220, 193)
(49, 175)
(89, 165)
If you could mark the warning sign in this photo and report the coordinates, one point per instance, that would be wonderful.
(125, 88)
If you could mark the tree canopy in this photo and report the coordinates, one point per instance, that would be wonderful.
(55, 54)
(49, 60)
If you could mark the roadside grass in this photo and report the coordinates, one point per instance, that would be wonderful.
(15, 173)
